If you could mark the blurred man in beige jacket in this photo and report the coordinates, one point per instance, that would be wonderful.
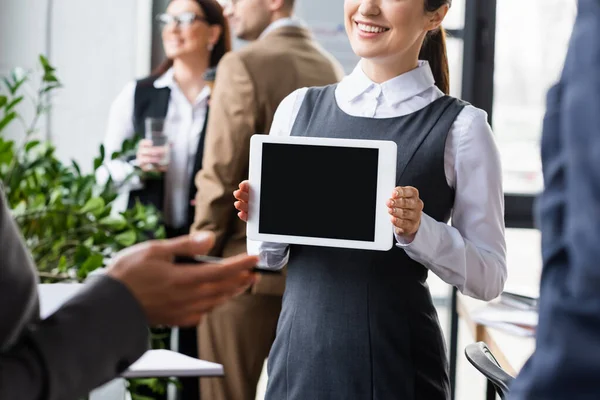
(282, 57)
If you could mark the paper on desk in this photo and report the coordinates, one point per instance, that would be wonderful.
(54, 295)
(166, 363)
(516, 321)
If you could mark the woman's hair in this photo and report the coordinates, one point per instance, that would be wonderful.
(214, 16)
(434, 49)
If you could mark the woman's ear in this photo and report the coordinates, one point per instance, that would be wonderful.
(437, 17)
(215, 34)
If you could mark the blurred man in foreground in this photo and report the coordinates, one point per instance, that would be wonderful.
(566, 363)
(100, 332)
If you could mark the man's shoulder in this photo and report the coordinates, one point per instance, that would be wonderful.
(261, 51)
(276, 52)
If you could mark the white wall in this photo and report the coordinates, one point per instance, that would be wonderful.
(96, 46)
(326, 20)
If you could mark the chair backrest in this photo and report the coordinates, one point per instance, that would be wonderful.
(482, 358)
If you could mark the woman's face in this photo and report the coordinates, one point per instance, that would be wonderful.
(192, 35)
(387, 29)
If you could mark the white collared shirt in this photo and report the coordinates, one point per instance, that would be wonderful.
(183, 124)
(280, 23)
(471, 253)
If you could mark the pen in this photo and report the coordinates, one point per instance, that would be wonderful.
(201, 259)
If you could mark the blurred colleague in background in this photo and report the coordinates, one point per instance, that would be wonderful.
(566, 362)
(195, 36)
(249, 86)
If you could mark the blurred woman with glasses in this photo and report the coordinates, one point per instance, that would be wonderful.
(195, 37)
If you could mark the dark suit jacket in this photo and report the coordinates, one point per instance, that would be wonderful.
(566, 363)
(90, 340)
(249, 86)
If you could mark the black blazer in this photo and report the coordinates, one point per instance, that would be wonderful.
(152, 102)
(71, 352)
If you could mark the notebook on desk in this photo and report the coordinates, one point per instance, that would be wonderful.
(166, 363)
(515, 321)
(523, 298)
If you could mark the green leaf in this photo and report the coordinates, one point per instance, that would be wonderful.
(20, 208)
(102, 152)
(76, 166)
(160, 233)
(46, 64)
(92, 263)
(49, 77)
(95, 205)
(3, 101)
(126, 238)
(152, 221)
(31, 145)
(97, 163)
(55, 196)
(13, 103)
(6, 151)
(81, 255)
(7, 119)
(114, 222)
(19, 77)
(62, 264)
(9, 86)
(50, 88)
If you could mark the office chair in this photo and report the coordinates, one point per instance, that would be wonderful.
(484, 361)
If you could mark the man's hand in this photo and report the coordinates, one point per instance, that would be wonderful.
(180, 294)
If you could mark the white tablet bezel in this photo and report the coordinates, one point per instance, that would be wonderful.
(386, 181)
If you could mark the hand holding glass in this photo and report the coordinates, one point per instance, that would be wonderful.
(154, 151)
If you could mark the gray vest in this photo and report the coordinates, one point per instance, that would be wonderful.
(359, 324)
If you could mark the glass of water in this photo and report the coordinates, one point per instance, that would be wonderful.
(155, 132)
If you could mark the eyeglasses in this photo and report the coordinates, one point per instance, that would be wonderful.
(183, 20)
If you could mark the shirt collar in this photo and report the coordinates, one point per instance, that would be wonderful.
(280, 23)
(395, 90)
(167, 80)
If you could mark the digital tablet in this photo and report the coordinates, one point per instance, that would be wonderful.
(321, 191)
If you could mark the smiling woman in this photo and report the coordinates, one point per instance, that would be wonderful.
(383, 35)
(361, 324)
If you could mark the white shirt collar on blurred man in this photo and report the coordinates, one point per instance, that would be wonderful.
(280, 23)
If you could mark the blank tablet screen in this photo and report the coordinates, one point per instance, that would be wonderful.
(318, 191)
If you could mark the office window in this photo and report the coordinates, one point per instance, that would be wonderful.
(455, 61)
(531, 42)
(454, 24)
(456, 16)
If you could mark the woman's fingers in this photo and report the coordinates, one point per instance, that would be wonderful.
(405, 213)
(241, 206)
(153, 152)
(405, 208)
(245, 186)
(241, 195)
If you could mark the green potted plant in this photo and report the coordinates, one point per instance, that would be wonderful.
(67, 218)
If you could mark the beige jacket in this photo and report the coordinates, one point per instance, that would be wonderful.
(249, 86)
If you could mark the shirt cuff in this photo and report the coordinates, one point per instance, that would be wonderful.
(273, 256)
(425, 239)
